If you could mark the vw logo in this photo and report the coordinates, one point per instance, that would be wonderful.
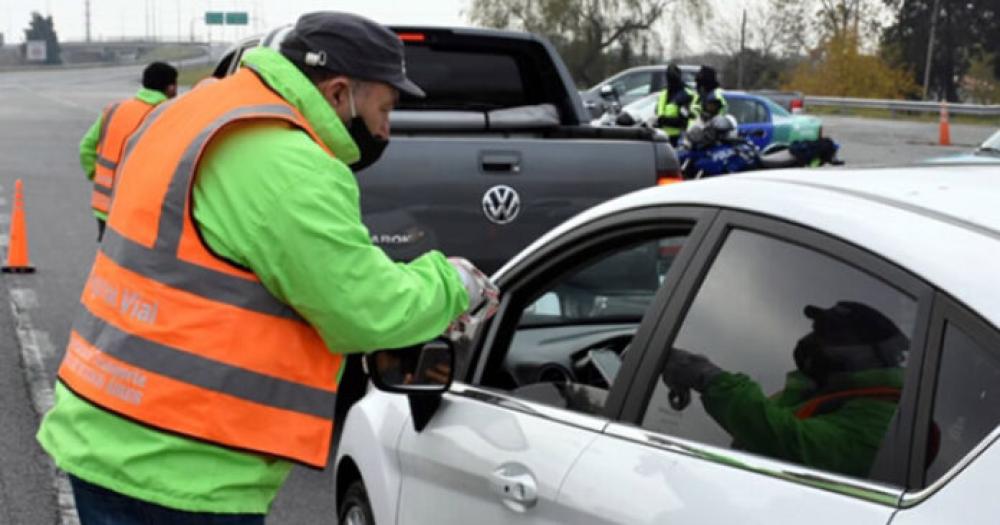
(501, 204)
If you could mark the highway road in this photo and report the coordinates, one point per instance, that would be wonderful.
(42, 117)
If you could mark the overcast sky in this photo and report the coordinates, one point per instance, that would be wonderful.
(112, 19)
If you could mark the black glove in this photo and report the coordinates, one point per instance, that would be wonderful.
(685, 371)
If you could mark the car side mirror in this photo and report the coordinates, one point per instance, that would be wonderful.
(428, 371)
(609, 92)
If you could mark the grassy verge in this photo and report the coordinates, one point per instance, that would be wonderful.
(902, 115)
(189, 75)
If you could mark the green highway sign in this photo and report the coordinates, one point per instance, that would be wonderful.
(237, 18)
(213, 18)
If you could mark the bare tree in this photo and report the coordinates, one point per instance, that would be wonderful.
(585, 31)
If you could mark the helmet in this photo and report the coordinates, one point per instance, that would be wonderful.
(675, 79)
(722, 125)
(711, 105)
(695, 134)
(706, 80)
(848, 337)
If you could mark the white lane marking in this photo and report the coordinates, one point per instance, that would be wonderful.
(35, 346)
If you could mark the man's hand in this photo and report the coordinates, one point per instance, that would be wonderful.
(484, 299)
(439, 374)
(686, 371)
(481, 290)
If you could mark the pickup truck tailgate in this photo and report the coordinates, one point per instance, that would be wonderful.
(486, 198)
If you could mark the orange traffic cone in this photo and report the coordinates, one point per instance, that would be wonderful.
(944, 129)
(17, 251)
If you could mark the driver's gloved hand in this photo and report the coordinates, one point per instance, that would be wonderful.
(685, 370)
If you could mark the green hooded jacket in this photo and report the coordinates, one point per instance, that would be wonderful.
(844, 440)
(271, 199)
(88, 145)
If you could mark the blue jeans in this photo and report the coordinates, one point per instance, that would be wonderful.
(100, 506)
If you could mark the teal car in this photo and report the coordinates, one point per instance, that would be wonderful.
(762, 121)
(766, 123)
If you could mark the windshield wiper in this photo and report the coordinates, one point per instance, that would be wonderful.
(989, 150)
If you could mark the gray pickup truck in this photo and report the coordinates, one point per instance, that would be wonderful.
(498, 153)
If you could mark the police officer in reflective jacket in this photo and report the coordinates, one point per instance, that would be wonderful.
(673, 109)
(834, 408)
(711, 101)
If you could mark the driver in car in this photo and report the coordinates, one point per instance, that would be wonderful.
(835, 407)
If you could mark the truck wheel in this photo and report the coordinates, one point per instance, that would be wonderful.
(355, 509)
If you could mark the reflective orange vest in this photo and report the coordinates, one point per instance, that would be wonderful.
(118, 122)
(171, 335)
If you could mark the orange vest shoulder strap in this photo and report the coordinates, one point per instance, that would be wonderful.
(823, 404)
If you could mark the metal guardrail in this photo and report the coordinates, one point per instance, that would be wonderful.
(916, 106)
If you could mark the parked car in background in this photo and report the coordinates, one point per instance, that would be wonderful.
(632, 84)
(760, 119)
(793, 101)
(500, 150)
(558, 412)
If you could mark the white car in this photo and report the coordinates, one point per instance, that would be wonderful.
(558, 412)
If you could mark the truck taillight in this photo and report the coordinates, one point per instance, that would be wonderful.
(797, 105)
(664, 178)
(412, 37)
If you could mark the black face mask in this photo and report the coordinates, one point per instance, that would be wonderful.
(370, 146)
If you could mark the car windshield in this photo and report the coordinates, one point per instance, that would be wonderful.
(615, 289)
(775, 108)
(992, 144)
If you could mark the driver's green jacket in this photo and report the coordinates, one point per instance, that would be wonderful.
(844, 440)
(268, 197)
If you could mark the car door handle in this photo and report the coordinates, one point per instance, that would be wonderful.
(500, 162)
(516, 486)
(758, 133)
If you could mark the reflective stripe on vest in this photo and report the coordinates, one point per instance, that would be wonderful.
(118, 123)
(823, 404)
(176, 338)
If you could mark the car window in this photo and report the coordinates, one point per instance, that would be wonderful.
(634, 84)
(776, 108)
(466, 79)
(747, 111)
(573, 331)
(966, 402)
(792, 354)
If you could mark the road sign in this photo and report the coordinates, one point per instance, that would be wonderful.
(214, 18)
(36, 51)
(237, 18)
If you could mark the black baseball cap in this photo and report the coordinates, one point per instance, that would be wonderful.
(353, 46)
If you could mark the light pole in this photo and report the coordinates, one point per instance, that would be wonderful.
(930, 49)
(86, 14)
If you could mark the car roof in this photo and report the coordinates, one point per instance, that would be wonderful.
(941, 223)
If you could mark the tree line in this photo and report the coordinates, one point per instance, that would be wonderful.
(936, 49)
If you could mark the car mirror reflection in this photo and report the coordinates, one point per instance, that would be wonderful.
(427, 369)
